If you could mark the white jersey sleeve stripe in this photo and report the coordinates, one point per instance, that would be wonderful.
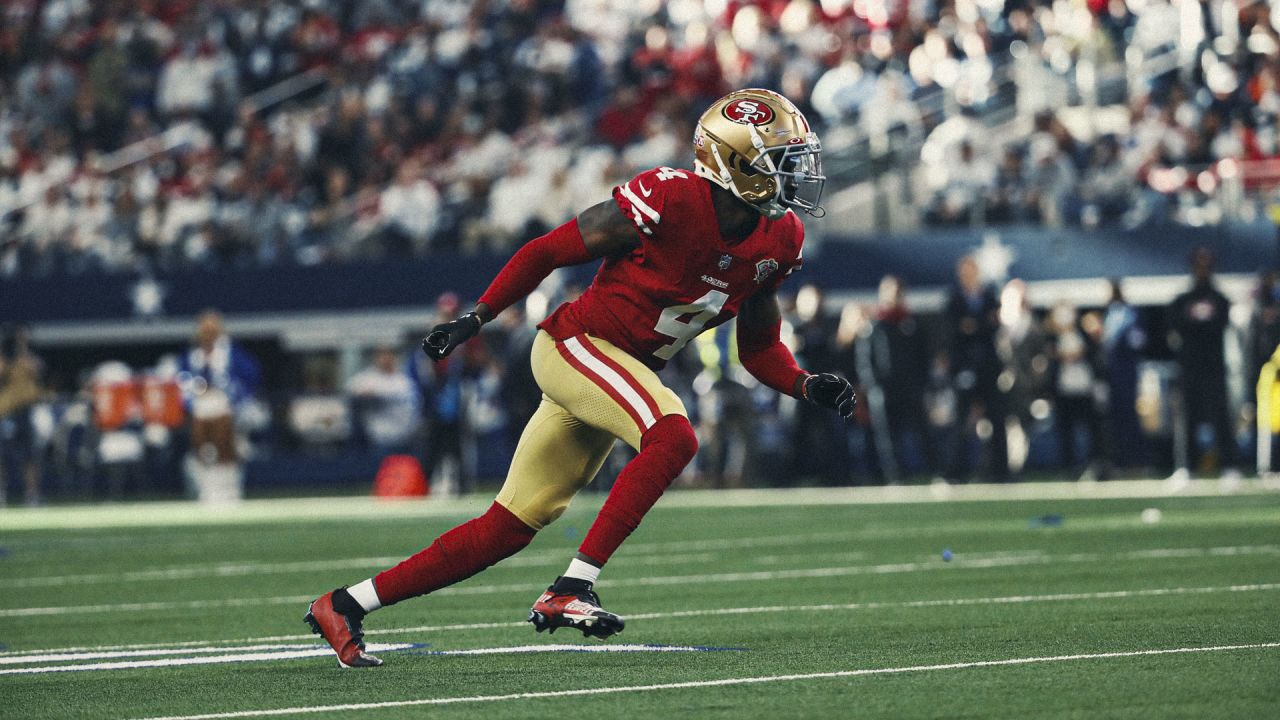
(639, 221)
(640, 205)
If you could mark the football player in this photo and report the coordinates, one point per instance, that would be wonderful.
(681, 252)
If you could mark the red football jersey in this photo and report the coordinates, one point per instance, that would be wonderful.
(684, 278)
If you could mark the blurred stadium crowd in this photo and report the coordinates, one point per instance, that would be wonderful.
(985, 388)
(143, 135)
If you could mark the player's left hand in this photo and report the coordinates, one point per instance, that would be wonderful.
(447, 336)
(831, 391)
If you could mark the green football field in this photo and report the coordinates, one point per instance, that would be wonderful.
(1062, 603)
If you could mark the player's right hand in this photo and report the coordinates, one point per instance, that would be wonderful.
(445, 337)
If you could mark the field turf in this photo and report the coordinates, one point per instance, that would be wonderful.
(740, 605)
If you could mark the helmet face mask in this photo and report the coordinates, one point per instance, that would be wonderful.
(757, 145)
(799, 169)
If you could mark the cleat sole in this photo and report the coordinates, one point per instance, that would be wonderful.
(604, 626)
(598, 626)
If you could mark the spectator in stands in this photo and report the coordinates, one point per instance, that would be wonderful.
(20, 390)
(437, 82)
(515, 201)
(1052, 176)
(409, 210)
(1010, 198)
(962, 187)
(385, 403)
(194, 78)
(1106, 185)
(1198, 320)
(899, 365)
(1123, 344)
(972, 317)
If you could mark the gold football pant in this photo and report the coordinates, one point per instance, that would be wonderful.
(592, 394)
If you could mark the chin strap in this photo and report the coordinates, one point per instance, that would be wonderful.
(772, 209)
(726, 178)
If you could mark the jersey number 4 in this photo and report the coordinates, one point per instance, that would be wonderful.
(703, 310)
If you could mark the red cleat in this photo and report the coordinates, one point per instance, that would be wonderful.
(344, 633)
(575, 607)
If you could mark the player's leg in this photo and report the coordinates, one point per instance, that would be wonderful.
(610, 390)
(556, 456)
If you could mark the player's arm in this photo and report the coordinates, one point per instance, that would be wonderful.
(761, 352)
(599, 231)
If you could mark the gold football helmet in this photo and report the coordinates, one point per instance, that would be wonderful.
(757, 145)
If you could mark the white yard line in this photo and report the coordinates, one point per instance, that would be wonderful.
(146, 606)
(662, 580)
(580, 692)
(960, 602)
(189, 572)
(314, 651)
(35, 663)
(949, 602)
(41, 656)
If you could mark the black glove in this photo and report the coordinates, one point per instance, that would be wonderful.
(447, 336)
(831, 391)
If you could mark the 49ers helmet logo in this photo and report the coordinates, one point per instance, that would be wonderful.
(748, 112)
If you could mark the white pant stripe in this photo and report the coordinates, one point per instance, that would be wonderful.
(616, 381)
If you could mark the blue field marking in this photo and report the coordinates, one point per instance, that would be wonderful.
(1046, 521)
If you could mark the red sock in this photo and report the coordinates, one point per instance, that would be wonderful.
(665, 450)
(455, 555)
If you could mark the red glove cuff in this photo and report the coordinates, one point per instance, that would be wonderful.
(533, 263)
